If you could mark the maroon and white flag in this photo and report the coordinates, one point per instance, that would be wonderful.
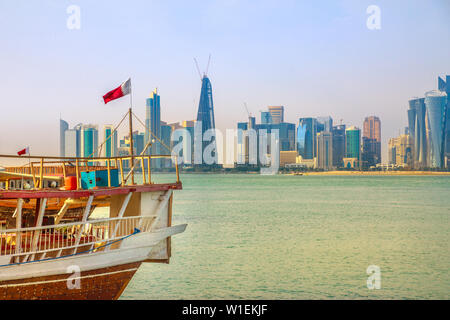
(24, 151)
(120, 91)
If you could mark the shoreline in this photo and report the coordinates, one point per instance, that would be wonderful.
(376, 173)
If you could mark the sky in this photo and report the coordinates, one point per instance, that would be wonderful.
(316, 58)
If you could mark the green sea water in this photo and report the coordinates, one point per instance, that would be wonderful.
(304, 237)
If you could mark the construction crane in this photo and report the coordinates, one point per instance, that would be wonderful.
(250, 121)
(207, 68)
(246, 108)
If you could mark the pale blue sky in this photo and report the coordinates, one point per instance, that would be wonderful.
(314, 57)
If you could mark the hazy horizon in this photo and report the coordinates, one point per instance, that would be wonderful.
(315, 59)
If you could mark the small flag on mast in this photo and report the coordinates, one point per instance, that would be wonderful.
(24, 151)
(120, 91)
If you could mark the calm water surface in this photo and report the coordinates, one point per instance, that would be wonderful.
(304, 237)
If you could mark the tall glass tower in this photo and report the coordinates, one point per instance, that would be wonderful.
(353, 142)
(89, 141)
(153, 122)
(306, 137)
(444, 86)
(110, 139)
(436, 104)
(205, 115)
(63, 126)
(338, 145)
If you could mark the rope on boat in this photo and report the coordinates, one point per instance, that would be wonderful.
(136, 231)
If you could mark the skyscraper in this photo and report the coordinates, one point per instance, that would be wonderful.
(369, 153)
(400, 150)
(205, 116)
(266, 117)
(72, 142)
(353, 142)
(324, 150)
(324, 124)
(372, 143)
(372, 128)
(418, 131)
(153, 122)
(286, 133)
(166, 132)
(306, 137)
(89, 140)
(444, 86)
(110, 139)
(338, 145)
(63, 126)
(277, 114)
(436, 105)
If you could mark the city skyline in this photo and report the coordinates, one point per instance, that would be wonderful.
(351, 72)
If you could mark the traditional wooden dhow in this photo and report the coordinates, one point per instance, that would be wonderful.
(52, 247)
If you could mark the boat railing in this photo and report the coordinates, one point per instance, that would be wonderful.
(34, 243)
(62, 167)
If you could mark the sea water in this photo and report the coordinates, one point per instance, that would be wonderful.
(304, 237)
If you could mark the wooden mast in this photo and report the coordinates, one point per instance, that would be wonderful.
(131, 143)
(130, 114)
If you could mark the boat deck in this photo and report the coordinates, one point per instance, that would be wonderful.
(106, 191)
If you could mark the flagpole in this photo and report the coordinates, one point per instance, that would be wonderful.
(29, 162)
(130, 113)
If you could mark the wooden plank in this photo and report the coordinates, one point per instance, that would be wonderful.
(62, 211)
(15, 194)
(169, 224)
(109, 173)
(87, 210)
(19, 225)
(37, 233)
(41, 174)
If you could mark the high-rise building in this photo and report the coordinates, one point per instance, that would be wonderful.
(205, 117)
(324, 124)
(166, 147)
(353, 142)
(248, 142)
(153, 122)
(266, 117)
(63, 126)
(277, 114)
(372, 128)
(72, 142)
(338, 145)
(370, 153)
(286, 133)
(325, 150)
(110, 139)
(166, 132)
(372, 133)
(138, 142)
(89, 140)
(306, 137)
(444, 86)
(242, 143)
(436, 105)
(400, 151)
(418, 131)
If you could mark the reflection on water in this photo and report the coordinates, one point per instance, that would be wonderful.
(303, 237)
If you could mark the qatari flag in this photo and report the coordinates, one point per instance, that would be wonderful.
(24, 151)
(120, 91)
